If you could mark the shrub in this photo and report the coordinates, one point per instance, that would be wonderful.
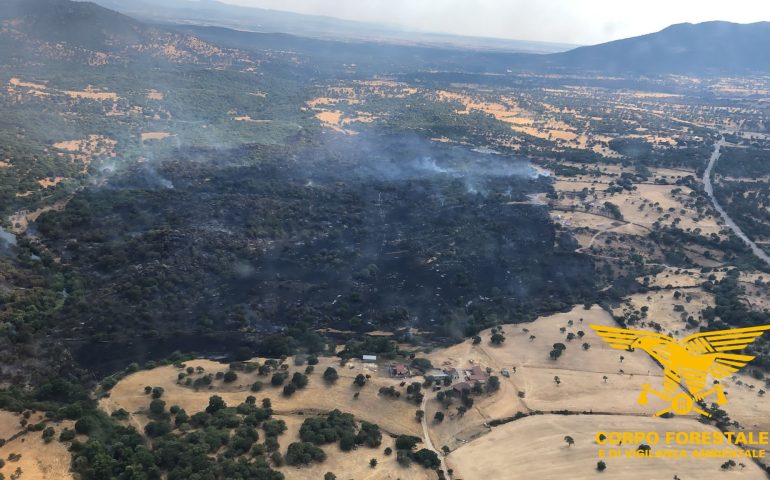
(330, 375)
(66, 435)
(303, 453)
(289, 389)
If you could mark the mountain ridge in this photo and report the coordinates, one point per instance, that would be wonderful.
(712, 47)
(260, 20)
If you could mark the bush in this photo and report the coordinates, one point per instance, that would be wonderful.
(422, 364)
(278, 379)
(66, 435)
(157, 429)
(299, 380)
(230, 376)
(330, 375)
(48, 434)
(85, 425)
(157, 407)
(426, 458)
(215, 404)
(321, 430)
(289, 389)
(120, 414)
(369, 435)
(273, 428)
(304, 453)
(407, 442)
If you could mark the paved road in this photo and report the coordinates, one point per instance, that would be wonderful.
(729, 221)
(426, 436)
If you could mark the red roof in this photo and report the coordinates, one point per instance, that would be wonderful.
(399, 369)
(477, 375)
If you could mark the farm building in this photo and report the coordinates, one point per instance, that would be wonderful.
(476, 374)
(399, 370)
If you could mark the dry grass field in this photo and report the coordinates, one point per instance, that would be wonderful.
(581, 372)
(534, 447)
(349, 465)
(393, 416)
(594, 382)
(38, 460)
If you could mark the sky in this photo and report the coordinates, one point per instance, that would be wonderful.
(563, 21)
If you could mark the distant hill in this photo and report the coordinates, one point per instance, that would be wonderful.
(84, 32)
(703, 48)
(214, 13)
(93, 34)
(79, 24)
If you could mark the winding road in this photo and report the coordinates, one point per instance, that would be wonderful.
(428, 441)
(729, 221)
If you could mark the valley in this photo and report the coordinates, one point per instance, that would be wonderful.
(232, 254)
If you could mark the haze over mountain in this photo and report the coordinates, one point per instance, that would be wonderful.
(703, 48)
(709, 47)
(213, 13)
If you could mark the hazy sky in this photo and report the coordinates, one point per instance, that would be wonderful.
(569, 21)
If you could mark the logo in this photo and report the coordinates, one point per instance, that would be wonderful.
(687, 363)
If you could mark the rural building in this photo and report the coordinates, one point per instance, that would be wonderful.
(399, 370)
(476, 374)
(453, 374)
(369, 358)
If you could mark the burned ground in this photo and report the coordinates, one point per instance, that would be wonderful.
(321, 237)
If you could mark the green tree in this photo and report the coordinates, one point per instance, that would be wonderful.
(303, 453)
(277, 379)
(493, 384)
(407, 442)
(289, 389)
(157, 407)
(299, 380)
(330, 374)
(215, 404)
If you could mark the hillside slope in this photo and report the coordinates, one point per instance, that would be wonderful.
(703, 48)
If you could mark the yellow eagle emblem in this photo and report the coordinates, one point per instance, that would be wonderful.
(687, 362)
